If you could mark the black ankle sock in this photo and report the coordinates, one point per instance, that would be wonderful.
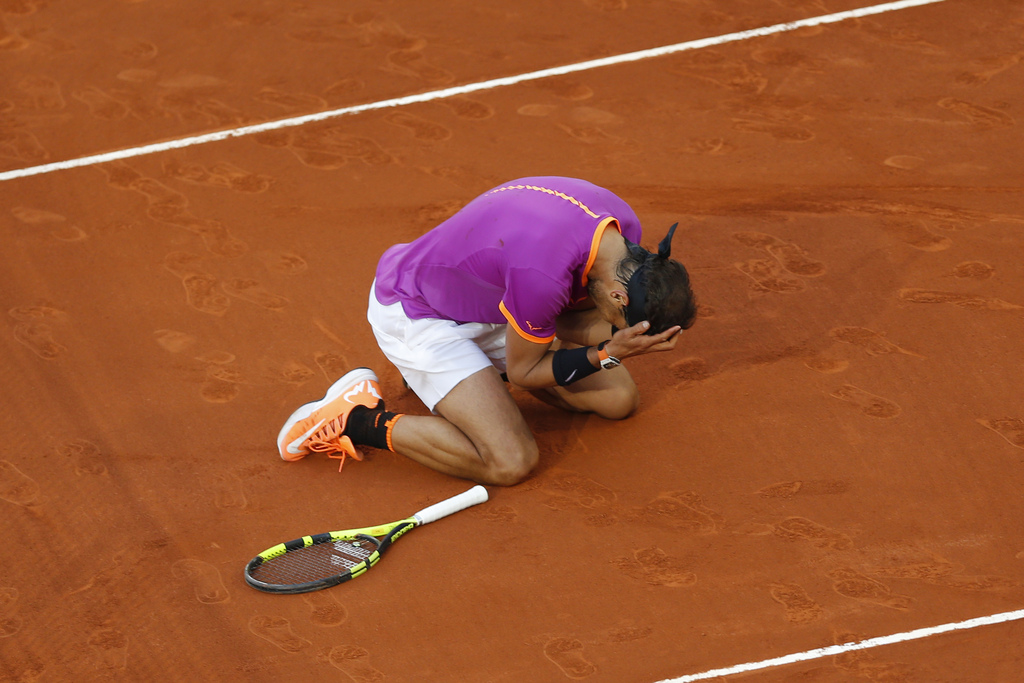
(371, 426)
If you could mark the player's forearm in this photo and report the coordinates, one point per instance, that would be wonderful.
(555, 368)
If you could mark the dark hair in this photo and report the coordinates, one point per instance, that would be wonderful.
(670, 300)
(658, 287)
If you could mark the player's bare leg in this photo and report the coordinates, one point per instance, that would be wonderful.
(611, 394)
(478, 434)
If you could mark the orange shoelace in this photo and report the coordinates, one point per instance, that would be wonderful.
(330, 440)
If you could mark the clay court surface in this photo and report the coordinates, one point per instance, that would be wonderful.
(834, 452)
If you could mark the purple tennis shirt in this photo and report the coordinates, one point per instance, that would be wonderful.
(518, 254)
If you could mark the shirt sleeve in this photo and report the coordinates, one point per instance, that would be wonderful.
(532, 303)
(629, 226)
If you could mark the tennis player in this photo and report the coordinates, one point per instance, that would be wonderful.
(539, 281)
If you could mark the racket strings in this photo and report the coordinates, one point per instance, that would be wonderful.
(314, 562)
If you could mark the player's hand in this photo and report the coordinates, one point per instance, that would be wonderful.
(633, 341)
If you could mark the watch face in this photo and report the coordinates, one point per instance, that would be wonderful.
(610, 362)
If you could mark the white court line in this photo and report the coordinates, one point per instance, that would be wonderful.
(850, 647)
(463, 89)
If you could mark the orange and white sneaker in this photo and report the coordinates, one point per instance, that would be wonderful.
(319, 427)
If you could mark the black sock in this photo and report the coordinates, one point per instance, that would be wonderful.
(371, 426)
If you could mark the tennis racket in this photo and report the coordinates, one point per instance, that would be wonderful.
(312, 563)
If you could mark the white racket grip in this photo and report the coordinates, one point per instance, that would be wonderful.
(474, 496)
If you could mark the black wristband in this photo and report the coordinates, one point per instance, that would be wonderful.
(571, 365)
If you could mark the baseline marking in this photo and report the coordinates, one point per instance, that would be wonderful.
(462, 89)
(850, 647)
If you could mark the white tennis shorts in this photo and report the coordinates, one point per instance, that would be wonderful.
(434, 355)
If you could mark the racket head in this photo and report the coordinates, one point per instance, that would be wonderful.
(312, 563)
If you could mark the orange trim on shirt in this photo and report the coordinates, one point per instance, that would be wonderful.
(523, 333)
(545, 190)
(595, 243)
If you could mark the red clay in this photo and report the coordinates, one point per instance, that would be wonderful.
(835, 451)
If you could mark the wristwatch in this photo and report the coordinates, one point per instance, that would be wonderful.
(607, 362)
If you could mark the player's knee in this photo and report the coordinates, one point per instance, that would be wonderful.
(619, 404)
(513, 466)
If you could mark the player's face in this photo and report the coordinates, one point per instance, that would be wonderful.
(611, 302)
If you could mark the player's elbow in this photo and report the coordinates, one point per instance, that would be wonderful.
(522, 379)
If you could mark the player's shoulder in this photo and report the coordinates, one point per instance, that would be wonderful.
(549, 184)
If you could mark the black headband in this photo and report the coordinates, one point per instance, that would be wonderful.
(636, 288)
